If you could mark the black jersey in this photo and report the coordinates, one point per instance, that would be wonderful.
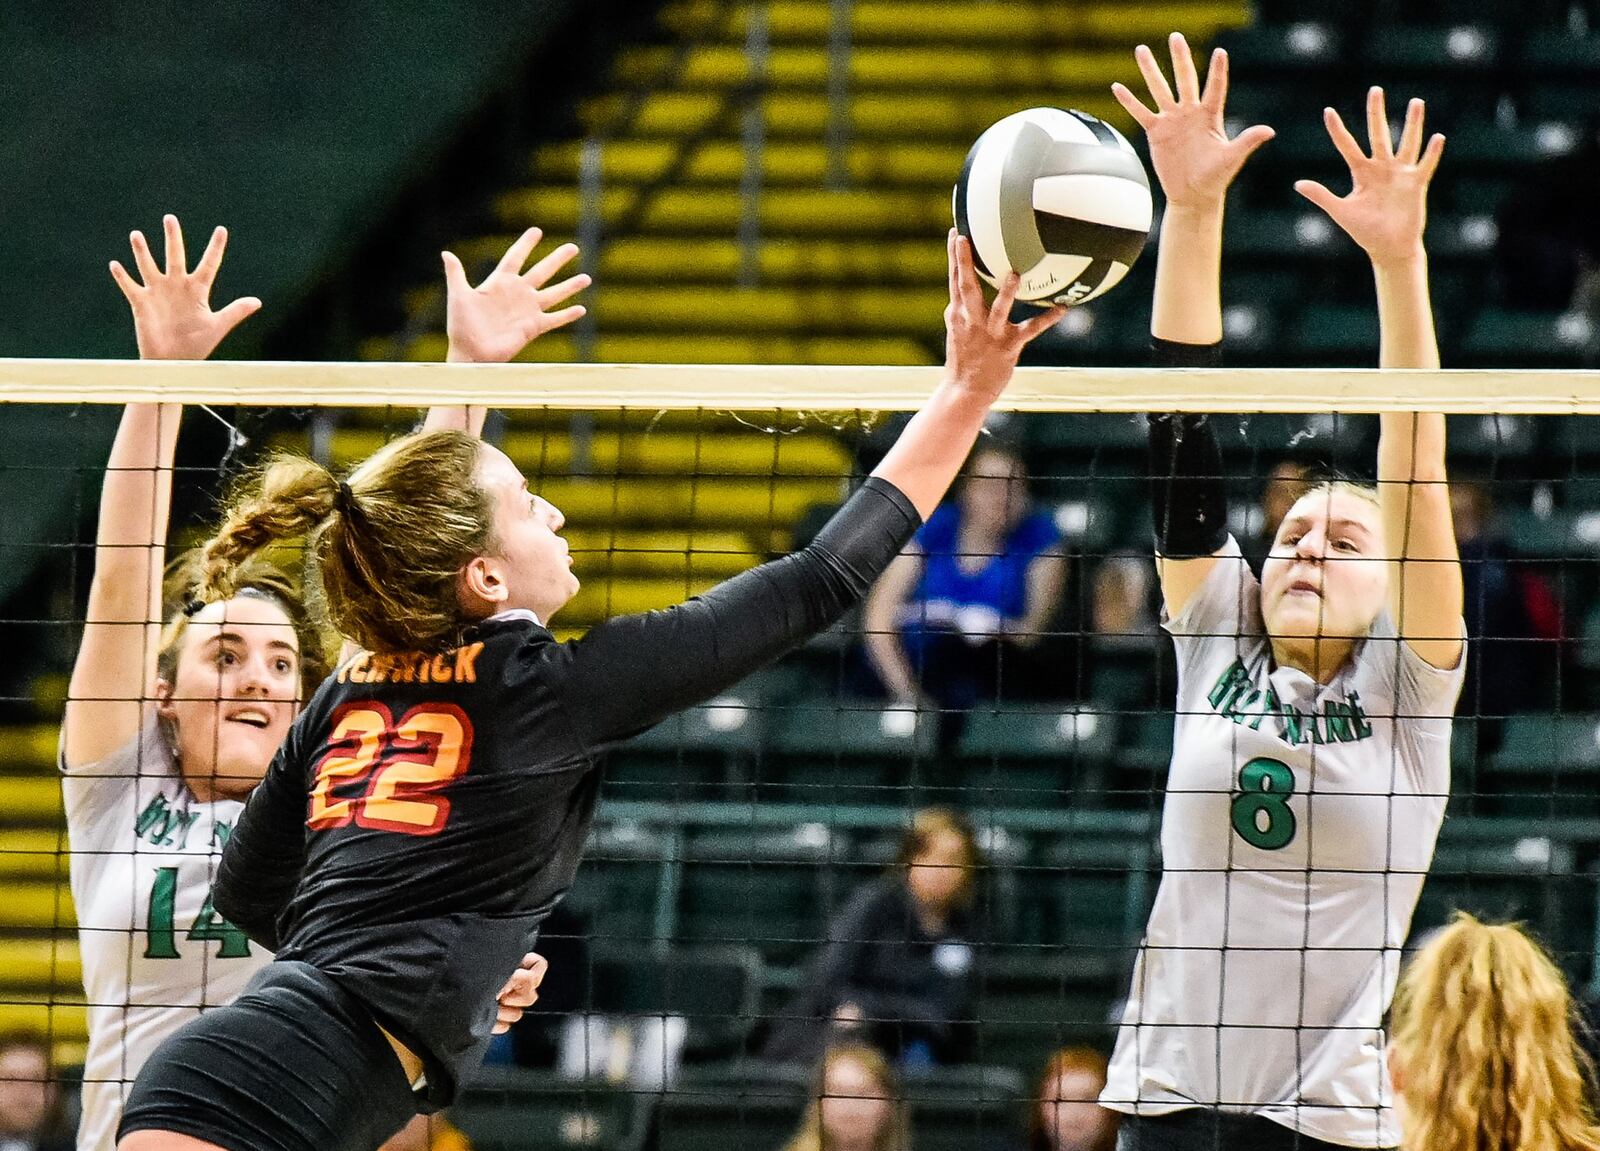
(427, 811)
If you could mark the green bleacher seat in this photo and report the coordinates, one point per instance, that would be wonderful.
(1483, 145)
(1298, 47)
(1529, 880)
(515, 1108)
(619, 884)
(1549, 51)
(717, 989)
(1336, 332)
(1529, 339)
(1125, 672)
(1265, 237)
(1025, 756)
(1089, 893)
(740, 1106)
(854, 728)
(1559, 534)
(1571, 102)
(1038, 999)
(1492, 437)
(769, 889)
(970, 1108)
(1462, 49)
(1550, 745)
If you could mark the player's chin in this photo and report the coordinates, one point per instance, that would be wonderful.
(237, 775)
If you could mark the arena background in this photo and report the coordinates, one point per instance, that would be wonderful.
(769, 183)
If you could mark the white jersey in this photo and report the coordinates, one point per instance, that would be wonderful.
(144, 852)
(1298, 826)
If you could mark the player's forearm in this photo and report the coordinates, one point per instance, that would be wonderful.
(456, 418)
(929, 454)
(1405, 314)
(1187, 308)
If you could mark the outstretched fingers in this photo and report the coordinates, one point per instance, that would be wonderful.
(517, 255)
(1410, 148)
(1183, 70)
(1036, 326)
(1342, 139)
(1160, 92)
(455, 275)
(1000, 310)
(129, 286)
(1430, 157)
(971, 295)
(554, 320)
(1131, 104)
(550, 265)
(1215, 96)
(177, 259)
(564, 291)
(237, 312)
(211, 259)
(143, 259)
(1378, 125)
(1319, 195)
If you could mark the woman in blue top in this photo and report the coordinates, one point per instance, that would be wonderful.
(957, 618)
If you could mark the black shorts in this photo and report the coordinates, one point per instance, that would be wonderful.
(1207, 1129)
(296, 1063)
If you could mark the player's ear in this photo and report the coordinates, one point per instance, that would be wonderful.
(164, 705)
(482, 585)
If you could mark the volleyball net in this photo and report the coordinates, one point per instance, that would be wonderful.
(711, 921)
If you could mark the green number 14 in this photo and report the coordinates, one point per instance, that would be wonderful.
(161, 940)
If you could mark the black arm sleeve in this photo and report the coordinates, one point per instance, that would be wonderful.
(266, 852)
(632, 672)
(1186, 491)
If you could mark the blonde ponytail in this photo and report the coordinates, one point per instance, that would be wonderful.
(1485, 1049)
(387, 542)
(293, 497)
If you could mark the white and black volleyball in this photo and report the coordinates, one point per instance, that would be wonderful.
(1060, 198)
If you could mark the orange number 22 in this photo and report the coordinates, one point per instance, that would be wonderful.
(405, 764)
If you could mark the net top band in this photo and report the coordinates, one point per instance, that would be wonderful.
(792, 388)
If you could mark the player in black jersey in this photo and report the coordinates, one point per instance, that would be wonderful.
(430, 804)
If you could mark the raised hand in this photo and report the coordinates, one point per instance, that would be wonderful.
(1387, 207)
(981, 343)
(1189, 146)
(492, 323)
(172, 316)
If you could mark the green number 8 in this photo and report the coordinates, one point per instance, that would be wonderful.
(1265, 786)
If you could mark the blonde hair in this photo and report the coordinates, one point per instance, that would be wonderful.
(895, 1135)
(1486, 1054)
(933, 821)
(387, 542)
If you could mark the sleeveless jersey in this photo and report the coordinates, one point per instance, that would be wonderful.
(155, 952)
(1298, 825)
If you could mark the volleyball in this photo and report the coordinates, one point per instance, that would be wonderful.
(1059, 197)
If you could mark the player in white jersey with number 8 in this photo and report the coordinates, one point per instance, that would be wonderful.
(1312, 745)
(169, 729)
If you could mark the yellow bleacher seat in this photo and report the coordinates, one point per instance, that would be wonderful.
(700, 348)
(64, 1022)
(30, 799)
(32, 853)
(722, 161)
(875, 115)
(36, 904)
(50, 964)
(1013, 22)
(29, 748)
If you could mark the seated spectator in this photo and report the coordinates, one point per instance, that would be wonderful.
(857, 1107)
(1285, 483)
(1122, 599)
(965, 611)
(29, 1118)
(1066, 1112)
(1548, 240)
(898, 969)
(1509, 610)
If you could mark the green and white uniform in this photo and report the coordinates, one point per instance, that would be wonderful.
(1298, 825)
(144, 852)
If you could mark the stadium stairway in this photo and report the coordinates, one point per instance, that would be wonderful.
(848, 266)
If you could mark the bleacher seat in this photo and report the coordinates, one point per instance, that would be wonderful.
(506, 1108)
(732, 1107)
(716, 989)
(619, 885)
(967, 1108)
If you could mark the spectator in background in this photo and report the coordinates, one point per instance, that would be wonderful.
(961, 615)
(1509, 609)
(1284, 485)
(29, 1117)
(1122, 600)
(857, 1106)
(1548, 242)
(898, 969)
(1066, 1112)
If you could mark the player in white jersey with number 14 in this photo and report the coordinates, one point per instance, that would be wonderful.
(169, 728)
(1311, 760)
